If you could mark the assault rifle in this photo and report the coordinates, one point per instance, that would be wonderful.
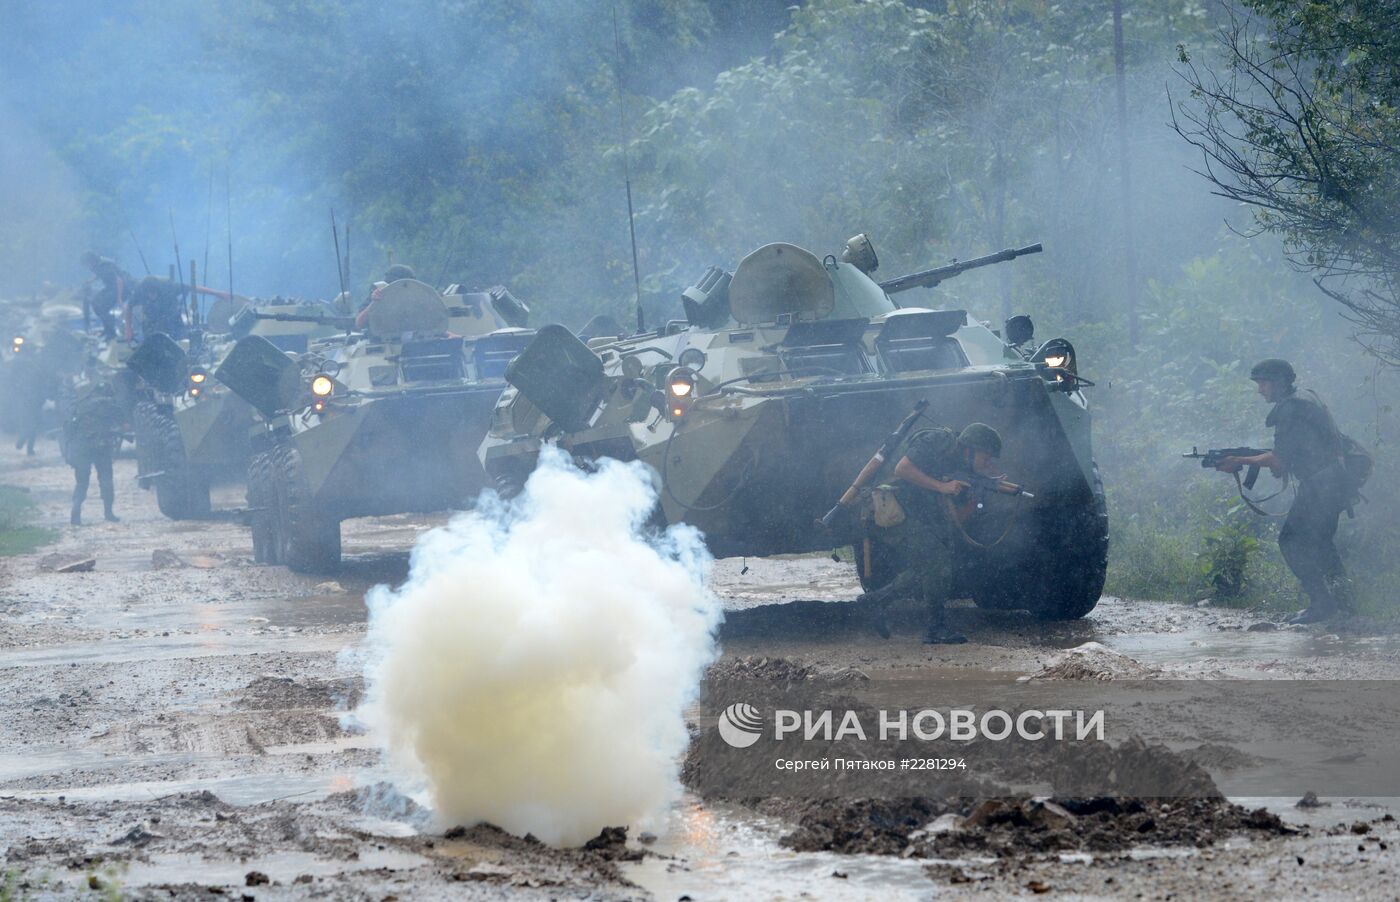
(980, 485)
(928, 278)
(1213, 457)
(873, 465)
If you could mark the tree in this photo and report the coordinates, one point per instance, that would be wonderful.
(1300, 123)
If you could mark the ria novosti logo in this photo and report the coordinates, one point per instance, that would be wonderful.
(740, 725)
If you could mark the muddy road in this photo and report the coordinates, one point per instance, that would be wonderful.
(175, 725)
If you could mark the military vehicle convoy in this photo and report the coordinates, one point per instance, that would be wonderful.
(382, 421)
(760, 408)
(189, 429)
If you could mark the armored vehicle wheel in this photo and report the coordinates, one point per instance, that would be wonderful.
(308, 541)
(181, 492)
(1060, 576)
(262, 502)
(879, 568)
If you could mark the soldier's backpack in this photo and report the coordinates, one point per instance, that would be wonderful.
(1358, 463)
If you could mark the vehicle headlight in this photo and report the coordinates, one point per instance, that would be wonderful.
(1057, 354)
(17, 342)
(680, 384)
(198, 377)
(322, 385)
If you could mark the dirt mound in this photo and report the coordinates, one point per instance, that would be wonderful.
(273, 693)
(1093, 661)
(1008, 828)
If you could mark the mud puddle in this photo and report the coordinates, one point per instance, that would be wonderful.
(717, 852)
(281, 867)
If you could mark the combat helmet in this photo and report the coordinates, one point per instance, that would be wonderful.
(1273, 368)
(981, 437)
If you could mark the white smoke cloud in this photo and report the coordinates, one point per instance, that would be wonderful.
(533, 671)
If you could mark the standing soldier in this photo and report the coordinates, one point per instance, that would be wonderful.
(923, 542)
(116, 285)
(30, 387)
(91, 435)
(1307, 447)
(157, 305)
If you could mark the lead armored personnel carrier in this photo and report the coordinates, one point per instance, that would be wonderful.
(189, 429)
(382, 421)
(759, 409)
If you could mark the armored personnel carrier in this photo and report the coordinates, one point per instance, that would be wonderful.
(759, 409)
(189, 429)
(382, 421)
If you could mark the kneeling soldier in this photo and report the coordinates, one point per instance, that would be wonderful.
(926, 482)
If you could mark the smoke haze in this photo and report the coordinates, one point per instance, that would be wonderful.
(533, 670)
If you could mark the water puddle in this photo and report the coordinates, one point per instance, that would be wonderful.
(247, 789)
(281, 867)
(714, 853)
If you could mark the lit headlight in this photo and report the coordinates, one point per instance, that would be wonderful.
(681, 389)
(322, 386)
(17, 342)
(1057, 354)
(198, 377)
(681, 382)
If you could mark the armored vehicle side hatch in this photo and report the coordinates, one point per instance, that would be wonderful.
(560, 376)
(161, 362)
(261, 374)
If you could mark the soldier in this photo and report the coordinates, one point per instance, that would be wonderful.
(116, 285)
(159, 303)
(1307, 447)
(926, 476)
(91, 436)
(31, 389)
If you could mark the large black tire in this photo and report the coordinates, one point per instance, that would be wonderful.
(262, 504)
(182, 493)
(1060, 570)
(308, 540)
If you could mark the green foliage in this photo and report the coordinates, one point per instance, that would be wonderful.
(1225, 560)
(17, 536)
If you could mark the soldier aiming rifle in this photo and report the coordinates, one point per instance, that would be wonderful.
(1329, 468)
(940, 480)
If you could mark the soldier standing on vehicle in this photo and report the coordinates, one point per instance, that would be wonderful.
(1307, 447)
(923, 542)
(116, 285)
(91, 436)
(159, 302)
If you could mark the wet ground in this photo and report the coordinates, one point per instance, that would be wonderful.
(172, 724)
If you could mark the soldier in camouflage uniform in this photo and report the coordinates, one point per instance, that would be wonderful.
(91, 436)
(926, 480)
(116, 286)
(1307, 447)
(159, 307)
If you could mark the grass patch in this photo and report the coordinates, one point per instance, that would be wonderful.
(18, 535)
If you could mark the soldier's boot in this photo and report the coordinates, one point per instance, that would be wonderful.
(76, 517)
(1321, 605)
(938, 632)
(108, 515)
(875, 605)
